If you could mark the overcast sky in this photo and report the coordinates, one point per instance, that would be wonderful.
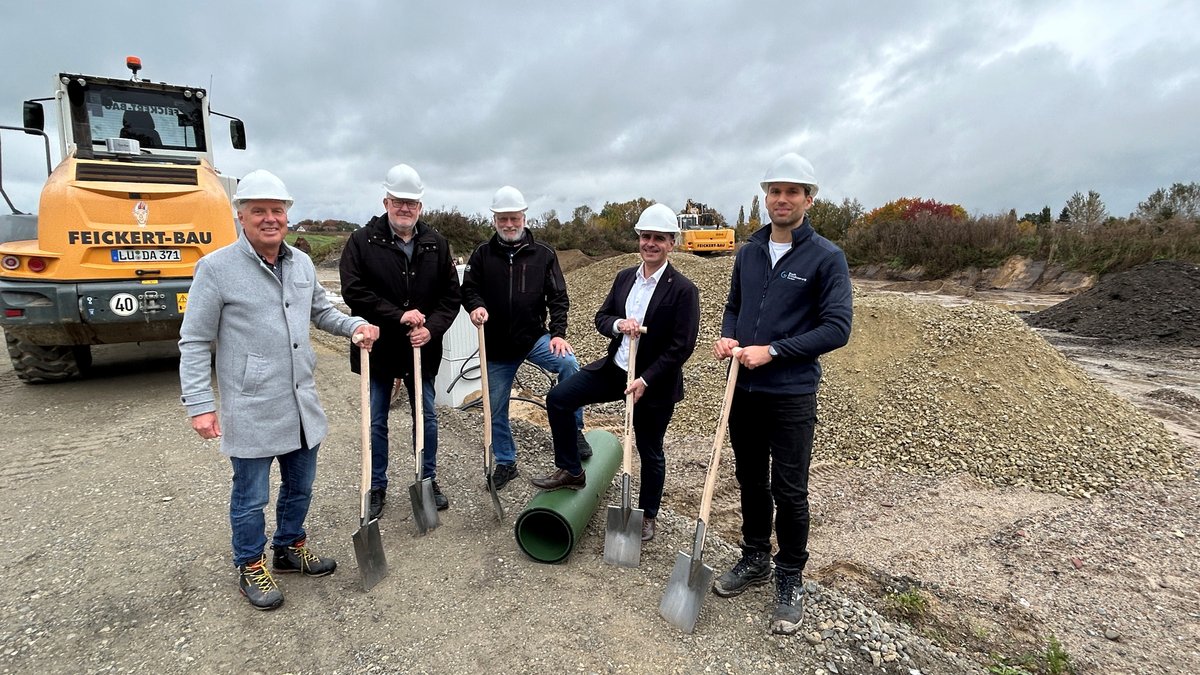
(992, 105)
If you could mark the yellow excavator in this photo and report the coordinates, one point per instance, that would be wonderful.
(702, 235)
(121, 222)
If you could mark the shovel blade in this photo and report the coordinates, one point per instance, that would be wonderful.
(623, 537)
(685, 593)
(368, 551)
(425, 513)
(496, 506)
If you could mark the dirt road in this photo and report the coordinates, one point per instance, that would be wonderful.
(117, 556)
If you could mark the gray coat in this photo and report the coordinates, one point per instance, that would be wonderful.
(264, 358)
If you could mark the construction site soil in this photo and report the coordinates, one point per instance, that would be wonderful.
(979, 497)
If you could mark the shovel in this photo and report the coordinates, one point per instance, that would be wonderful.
(488, 461)
(691, 579)
(368, 546)
(623, 536)
(421, 491)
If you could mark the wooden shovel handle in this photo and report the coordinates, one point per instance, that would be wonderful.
(710, 481)
(418, 412)
(364, 482)
(627, 444)
(486, 401)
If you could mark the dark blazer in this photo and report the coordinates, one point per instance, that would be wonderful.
(672, 325)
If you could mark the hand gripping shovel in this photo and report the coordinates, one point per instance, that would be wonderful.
(368, 546)
(425, 513)
(489, 466)
(691, 579)
(623, 536)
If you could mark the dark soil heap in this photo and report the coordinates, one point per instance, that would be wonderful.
(1158, 302)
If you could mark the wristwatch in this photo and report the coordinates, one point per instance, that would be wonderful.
(771, 351)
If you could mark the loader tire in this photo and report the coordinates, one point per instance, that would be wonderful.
(40, 364)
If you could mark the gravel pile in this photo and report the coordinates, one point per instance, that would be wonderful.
(928, 390)
(1158, 302)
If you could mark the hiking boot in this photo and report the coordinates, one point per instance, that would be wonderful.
(298, 558)
(378, 499)
(585, 448)
(789, 607)
(439, 499)
(754, 569)
(255, 582)
(503, 474)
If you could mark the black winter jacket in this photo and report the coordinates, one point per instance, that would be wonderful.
(801, 307)
(380, 285)
(517, 285)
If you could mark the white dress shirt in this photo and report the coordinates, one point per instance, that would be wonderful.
(635, 308)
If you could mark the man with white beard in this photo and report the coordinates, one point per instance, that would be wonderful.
(512, 284)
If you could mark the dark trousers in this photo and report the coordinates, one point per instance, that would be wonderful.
(772, 438)
(650, 421)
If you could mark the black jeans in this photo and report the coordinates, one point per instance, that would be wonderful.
(772, 438)
(650, 420)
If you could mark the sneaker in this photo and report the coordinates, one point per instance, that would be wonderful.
(255, 582)
(299, 558)
(754, 569)
(789, 607)
(503, 474)
(378, 498)
(439, 499)
(585, 448)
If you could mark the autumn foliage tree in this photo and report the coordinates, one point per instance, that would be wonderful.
(909, 209)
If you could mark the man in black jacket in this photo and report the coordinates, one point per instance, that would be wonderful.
(789, 303)
(657, 296)
(510, 284)
(398, 271)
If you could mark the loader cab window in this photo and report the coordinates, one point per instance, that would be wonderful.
(158, 120)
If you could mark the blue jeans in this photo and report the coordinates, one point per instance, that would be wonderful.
(500, 381)
(252, 491)
(772, 439)
(381, 400)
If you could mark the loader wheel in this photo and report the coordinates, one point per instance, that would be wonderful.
(39, 364)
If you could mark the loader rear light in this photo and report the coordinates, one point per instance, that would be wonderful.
(37, 265)
(14, 313)
(10, 262)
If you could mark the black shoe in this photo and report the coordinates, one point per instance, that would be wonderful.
(255, 582)
(789, 608)
(298, 558)
(503, 474)
(378, 499)
(754, 569)
(439, 499)
(585, 448)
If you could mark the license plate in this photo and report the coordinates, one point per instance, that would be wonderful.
(145, 255)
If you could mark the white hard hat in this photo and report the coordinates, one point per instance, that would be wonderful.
(657, 218)
(791, 168)
(260, 184)
(507, 200)
(403, 182)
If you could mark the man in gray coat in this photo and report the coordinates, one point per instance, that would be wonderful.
(254, 300)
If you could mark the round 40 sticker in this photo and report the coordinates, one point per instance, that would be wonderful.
(123, 304)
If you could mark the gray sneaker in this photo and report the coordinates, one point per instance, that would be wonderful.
(789, 607)
(255, 582)
(754, 569)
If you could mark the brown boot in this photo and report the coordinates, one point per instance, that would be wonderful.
(648, 529)
(561, 478)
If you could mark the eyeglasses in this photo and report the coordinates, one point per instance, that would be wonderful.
(404, 204)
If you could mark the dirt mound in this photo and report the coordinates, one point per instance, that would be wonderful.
(924, 389)
(572, 259)
(1158, 302)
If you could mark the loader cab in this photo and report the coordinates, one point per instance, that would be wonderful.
(696, 221)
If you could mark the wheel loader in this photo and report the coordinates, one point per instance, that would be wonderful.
(121, 221)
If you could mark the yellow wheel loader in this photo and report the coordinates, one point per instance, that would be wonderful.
(702, 236)
(121, 222)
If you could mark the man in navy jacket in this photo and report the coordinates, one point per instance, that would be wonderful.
(789, 302)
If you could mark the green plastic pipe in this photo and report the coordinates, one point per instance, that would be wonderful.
(551, 524)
